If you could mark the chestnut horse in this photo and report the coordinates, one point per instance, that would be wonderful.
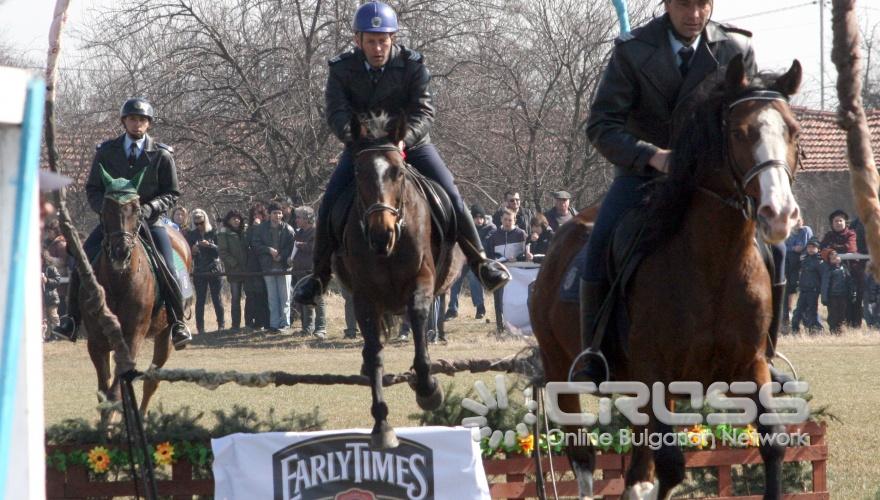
(391, 260)
(699, 305)
(131, 287)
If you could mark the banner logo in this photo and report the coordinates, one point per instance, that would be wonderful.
(343, 467)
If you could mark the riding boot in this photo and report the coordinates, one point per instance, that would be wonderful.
(592, 295)
(491, 273)
(310, 288)
(67, 324)
(174, 306)
(777, 299)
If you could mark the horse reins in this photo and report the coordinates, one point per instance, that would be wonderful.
(397, 212)
(742, 201)
(128, 239)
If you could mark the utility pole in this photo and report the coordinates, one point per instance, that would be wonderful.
(822, 54)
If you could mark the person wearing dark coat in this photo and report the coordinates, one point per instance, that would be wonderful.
(843, 239)
(653, 71)
(383, 76)
(256, 304)
(51, 279)
(507, 243)
(812, 268)
(521, 214)
(133, 154)
(206, 260)
(539, 240)
(837, 291)
(274, 243)
(562, 210)
(233, 247)
(314, 318)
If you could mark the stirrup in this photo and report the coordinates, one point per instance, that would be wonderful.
(586, 353)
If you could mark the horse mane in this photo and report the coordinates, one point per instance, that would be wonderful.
(696, 153)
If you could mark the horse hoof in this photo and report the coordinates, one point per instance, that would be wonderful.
(383, 439)
(432, 401)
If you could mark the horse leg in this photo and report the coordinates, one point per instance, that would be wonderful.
(772, 452)
(640, 475)
(161, 352)
(429, 393)
(383, 436)
(668, 463)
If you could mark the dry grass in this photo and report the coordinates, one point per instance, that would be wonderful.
(842, 371)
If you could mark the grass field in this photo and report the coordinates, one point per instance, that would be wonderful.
(843, 373)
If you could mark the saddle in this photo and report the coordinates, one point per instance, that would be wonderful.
(443, 220)
(177, 268)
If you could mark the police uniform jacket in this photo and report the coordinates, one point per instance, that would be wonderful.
(631, 115)
(158, 187)
(402, 87)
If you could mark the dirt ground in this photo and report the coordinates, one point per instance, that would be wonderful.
(842, 372)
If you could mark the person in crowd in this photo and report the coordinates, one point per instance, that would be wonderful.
(507, 243)
(521, 214)
(485, 227)
(56, 248)
(274, 243)
(314, 319)
(872, 302)
(844, 240)
(206, 261)
(837, 291)
(539, 238)
(233, 247)
(180, 216)
(135, 153)
(51, 279)
(562, 210)
(794, 249)
(383, 76)
(809, 281)
(857, 269)
(256, 304)
(351, 327)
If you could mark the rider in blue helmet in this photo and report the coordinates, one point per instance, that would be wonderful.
(380, 75)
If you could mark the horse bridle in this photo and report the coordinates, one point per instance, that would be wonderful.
(128, 238)
(397, 212)
(742, 201)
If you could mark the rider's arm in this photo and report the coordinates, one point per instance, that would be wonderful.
(338, 111)
(606, 128)
(420, 111)
(168, 187)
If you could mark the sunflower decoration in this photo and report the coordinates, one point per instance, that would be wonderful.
(527, 444)
(698, 436)
(99, 459)
(164, 454)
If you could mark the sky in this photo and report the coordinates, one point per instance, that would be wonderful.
(783, 30)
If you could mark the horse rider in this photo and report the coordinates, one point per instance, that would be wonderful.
(380, 75)
(654, 70)
(125, 157)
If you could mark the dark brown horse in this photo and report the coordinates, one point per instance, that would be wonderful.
(699, 304)
(131, 287)
(392, 260)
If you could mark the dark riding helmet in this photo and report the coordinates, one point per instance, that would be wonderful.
(374, 17)
(137, 106)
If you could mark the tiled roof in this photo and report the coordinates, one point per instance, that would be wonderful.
(825, 143)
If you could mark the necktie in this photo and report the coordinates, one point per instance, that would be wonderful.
(685, 53)
(375, 74)
(132, 153)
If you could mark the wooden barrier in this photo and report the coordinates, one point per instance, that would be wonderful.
(510, 478)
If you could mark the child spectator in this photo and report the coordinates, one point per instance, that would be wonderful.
(507, 243)
(837, 291)
(809, 285)
(539, 238)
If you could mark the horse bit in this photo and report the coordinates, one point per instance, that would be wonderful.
(397, 212)
(128, 239)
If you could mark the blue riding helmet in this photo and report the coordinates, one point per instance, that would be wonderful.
(374, 17)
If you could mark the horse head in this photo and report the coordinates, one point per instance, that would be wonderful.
(380, 173)
(761, 146)
(120, 217)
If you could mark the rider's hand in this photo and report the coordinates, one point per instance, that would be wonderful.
(146, 211)
(400, 145)
(660, 160)
(273, 252)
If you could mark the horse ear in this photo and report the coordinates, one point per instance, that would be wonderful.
(790, 82)
(136, 182)
(105, 177)
(736, 74)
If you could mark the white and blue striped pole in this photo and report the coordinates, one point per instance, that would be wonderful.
(25, 189)
(622, 15)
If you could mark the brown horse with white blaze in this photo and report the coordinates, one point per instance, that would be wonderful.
(699, 304)
(131, 287)
(392, 260)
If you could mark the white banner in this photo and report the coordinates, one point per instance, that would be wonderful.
(516, 296)
(431, 462)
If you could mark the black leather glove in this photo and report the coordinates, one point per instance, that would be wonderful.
(146, 211)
